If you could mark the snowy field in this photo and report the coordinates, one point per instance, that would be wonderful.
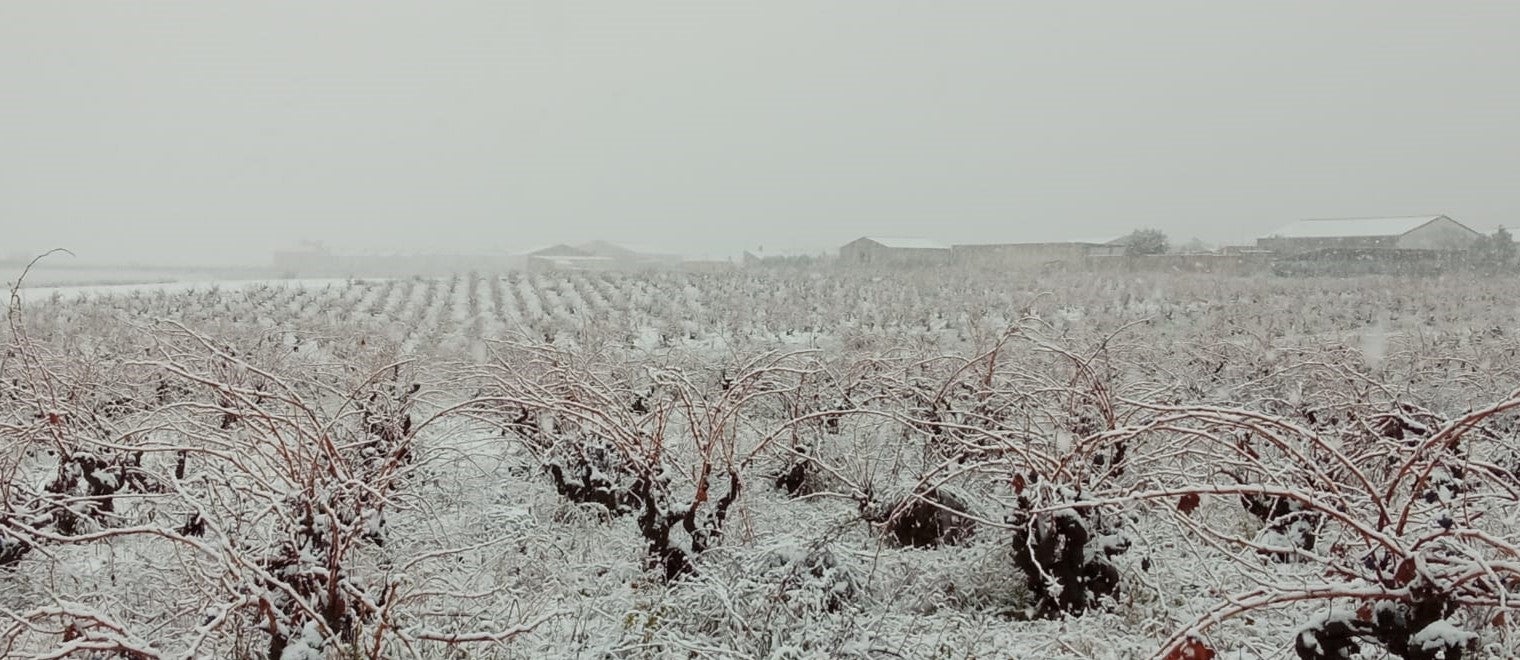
(762, 465)
(61, 271)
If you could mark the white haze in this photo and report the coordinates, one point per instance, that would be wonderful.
(208, 133)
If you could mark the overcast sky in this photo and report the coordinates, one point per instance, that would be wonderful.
(192, 132)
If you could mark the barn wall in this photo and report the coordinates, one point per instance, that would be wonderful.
(1439, 234)
(915, 256)
(1018, 255)
(860, 252)
(1286, 245)
(865, 252)
(1216, 264)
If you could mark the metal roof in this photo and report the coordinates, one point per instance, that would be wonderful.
(618, 249)
(1353, 227)
(1105, 240)
(556, 250)
(907, 243)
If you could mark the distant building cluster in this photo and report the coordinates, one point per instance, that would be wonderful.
(1426, 232)
(597, 255)
(1395, 244)
(1412, 245)
(885, 251)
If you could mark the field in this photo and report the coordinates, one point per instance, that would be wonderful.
(763, 464)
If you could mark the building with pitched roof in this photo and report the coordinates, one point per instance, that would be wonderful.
(1423, 232)
(894, 251)
(631, 256)
(1045, 254)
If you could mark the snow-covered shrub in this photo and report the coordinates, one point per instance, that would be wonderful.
(1289, 527)
(1064, 554)
(625, 456)
(1412, 629)
(587, 471)
(933, 517)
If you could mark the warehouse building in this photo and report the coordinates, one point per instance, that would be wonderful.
(1427, 232)
(884, 251)
(1025, 255)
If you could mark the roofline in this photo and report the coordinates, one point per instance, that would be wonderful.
(1432, 218)
(878, 240)
(1029, 243)
(1453, 221)
(1423, 225)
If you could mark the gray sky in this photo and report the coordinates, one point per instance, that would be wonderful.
(188, 132)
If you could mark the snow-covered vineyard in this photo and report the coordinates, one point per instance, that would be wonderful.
(777, 465)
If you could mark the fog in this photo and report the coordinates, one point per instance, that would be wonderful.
(210, 133)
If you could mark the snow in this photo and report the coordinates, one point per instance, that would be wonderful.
(807, 577)
(33, 294)
(306, 647)
(1374, 345)
(1441, 634)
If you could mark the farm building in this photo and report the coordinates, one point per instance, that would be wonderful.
(883, 251)
(1425, 232)
(630, 256)
(1023, 255)
(782, 258)
(708, 265)
(565, 257)
(557, 250)
(1342, 262)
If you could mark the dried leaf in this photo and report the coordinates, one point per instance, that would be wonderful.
(1191, 649)
(1405, 573)
(1188, 503)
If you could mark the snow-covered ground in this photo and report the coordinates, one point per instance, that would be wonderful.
(929, 465)
(35, 292)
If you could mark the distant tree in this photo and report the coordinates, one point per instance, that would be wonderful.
(1142, 242)
(1503, 246)
(1494, 252)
